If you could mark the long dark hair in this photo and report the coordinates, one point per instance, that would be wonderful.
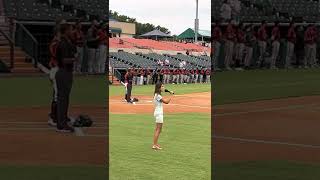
(157, 89)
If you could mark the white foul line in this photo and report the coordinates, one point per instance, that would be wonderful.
(267, 142)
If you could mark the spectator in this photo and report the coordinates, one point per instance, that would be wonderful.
(225, 11)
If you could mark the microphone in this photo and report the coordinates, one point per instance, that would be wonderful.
(171, 92)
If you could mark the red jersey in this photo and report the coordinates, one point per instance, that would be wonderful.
(102, 36)
(276, 33)
(207, 72)
(291, 35)
(217, 33)
(230, 33)
(79, 38)
(240, 36)
(191, 71)
(53, 52)
(202, 72)
(262, 34)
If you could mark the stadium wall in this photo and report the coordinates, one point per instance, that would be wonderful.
(128, 29)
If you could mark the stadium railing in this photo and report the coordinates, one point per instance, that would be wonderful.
(27, 42)
(12, 45)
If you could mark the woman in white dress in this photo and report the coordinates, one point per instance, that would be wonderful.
(158, 101)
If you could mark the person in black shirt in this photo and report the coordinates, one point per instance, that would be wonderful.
(66, 52)
(128, 83)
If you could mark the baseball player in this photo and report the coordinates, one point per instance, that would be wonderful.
(250, 41)
(79, 41)
(208, 73)
(229, 45)
(93, 43)
(217, 39)
(262, 41)
(158, 101)
(101, 62)
(290, 45)
(275, 38)
(66, 56)
(53, 70)
(128, 79)
(240, 45)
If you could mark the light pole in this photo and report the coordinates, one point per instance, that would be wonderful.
(196, 23)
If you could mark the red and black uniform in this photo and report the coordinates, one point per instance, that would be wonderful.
(217, 34)
(102, 34)
(79, 38)
(230, 33)
(276, 33)
(262, 34)
(292, 35)
(53, 52)
(128, 78)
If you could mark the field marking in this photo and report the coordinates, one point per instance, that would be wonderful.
(266, 110)
(267, 142)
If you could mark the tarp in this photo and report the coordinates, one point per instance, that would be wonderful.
(189, 34)
(155, 33)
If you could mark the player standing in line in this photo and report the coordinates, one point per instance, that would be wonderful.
(262, 42)
(217, 39)
(92, 43)
(66, 56)
(158, 101)
(208, 73)
(229, 45)
(128, 79)
(53, 70)
(102, 56)
(275, 38)
(79, 41)
(290, 45)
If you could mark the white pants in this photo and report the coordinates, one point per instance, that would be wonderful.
(101, 63)
(92, 60)
(141, 80)
(52, 77)
(78, 64)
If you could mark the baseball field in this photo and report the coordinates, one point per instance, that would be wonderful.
(31, 150)
(185, 136)
(266, 125)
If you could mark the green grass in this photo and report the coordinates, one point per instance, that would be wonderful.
(149, 89)
(233, 87)
(37, 91)
(268, 170)
(185, 139)
(53, 173)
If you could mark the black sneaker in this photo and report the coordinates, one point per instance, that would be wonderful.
(66, 129)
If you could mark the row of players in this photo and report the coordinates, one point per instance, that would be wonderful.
(241, 39)
(166, 75)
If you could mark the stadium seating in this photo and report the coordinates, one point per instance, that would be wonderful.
(257, 10)
(43, 11)
(121, 60)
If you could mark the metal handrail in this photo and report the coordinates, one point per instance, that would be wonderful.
(35, 44)
(11, 42)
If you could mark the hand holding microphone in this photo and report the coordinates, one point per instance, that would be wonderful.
(171, 92)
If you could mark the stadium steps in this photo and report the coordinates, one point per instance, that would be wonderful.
(115, 81)
(21, 63)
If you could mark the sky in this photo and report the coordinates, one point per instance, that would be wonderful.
(176, 15)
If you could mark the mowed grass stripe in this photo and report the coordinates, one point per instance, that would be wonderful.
(235, 87)
(37, 91)
(185, 139)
